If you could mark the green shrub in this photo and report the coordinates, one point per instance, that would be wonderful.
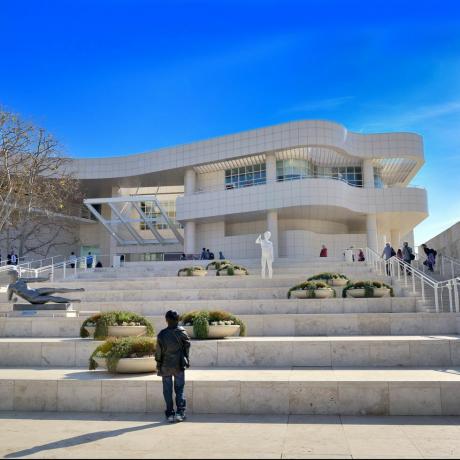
(327, 276)
(218, 264)
(230, 270)
(189, 270)
(310, 286)
(126, 347)
(368, 287)
(201, 320)
(103, 321)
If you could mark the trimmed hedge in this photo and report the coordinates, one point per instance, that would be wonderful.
(201, 320)
(310, 286)
(368, 287)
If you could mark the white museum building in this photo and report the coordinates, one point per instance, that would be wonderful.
(308, 182)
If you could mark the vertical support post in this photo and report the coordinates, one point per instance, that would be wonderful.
(413, 283)
(452, 268)
(52, 272)
(272, 225)
(423, 289)
(63, 270)
(457, 301)
(371, 226)
(451, 303)
(436, 298)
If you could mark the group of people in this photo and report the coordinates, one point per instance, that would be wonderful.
(361, 256)
(11, 258)
(206, 254)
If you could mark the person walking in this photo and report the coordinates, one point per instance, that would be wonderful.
(430, 257)
(14, 258)
(407, 255)
(387, 254)
(203, 254)
(361, 256)
(172, 357)
(221, 255)
(89, 260)
(72, 259)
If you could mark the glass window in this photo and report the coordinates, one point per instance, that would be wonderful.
(245, 176)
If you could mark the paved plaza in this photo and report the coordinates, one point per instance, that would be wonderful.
(74, 435)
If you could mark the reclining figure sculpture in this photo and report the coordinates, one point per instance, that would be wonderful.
(39, 296)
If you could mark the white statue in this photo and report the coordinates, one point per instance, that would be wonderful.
(267, 253)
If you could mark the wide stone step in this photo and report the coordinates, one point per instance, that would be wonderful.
(299, 325)
(375, 351)
(251, 306)
(433, 391)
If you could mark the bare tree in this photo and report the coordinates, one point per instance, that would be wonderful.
(39, 195)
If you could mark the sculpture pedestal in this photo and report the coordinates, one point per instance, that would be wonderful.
(47, 309)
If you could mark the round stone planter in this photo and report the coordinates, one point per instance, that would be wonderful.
(121, 331)
(195, 273)
(338, 282)
(322, 293)
(217, 332)
(235, 273)
(378, 292)
(146, 364)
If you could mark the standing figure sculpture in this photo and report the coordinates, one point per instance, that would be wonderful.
(267, 254)
(19, 287)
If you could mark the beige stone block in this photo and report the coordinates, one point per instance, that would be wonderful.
(24, 354)
(342, 325)
(402, 324)
(58, 354)
(155, 400)
(203, 353)
(374, 325)
(389, 353)
(311, 354)
(279, 325)
(264, 397)
(209, 398)
(83, 350)
(415, 398)
(350, 353)
(34, 395)
(311, 325)
(430, 353)
(233, 353)
(124, 396)
(363, 398)
(273, 353)
(6, 394)
(313, 398)
(17, 327)
(254, 325)
(79, 395)
(450, 398)
(455, 352)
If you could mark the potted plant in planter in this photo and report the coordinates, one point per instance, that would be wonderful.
(192, 271)
(116, 324)
(367, 289)
(232, 270)
(333, 279)
(311, 290)
(126, 355)
(212, 325)
(217, 264)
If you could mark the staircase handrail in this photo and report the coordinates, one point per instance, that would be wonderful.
(447, 263)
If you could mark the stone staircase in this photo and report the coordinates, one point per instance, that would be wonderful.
(332, 356)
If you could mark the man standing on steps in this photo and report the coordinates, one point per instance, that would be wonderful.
(387, 254)
(172, 357)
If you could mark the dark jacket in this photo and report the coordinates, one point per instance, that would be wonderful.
(172, 344)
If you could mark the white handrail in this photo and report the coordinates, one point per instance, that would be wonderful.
(449, 266)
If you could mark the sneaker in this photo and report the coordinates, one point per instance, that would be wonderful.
(171, 419)
(180, 418)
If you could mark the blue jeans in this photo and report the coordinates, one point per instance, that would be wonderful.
(179, 385)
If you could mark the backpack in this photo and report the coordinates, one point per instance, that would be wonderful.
(393, 253)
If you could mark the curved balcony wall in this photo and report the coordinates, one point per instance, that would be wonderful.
(305, 192)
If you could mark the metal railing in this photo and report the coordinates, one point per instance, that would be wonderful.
(258, 182)
(445, 295)
(449, 267)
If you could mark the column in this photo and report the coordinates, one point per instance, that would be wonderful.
(190, 181)
(190, 237)
(272, 227)
(368, 174)
(270, 161)
(371, 225)
(395, 239)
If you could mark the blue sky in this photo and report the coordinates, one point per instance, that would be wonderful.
(124, 76)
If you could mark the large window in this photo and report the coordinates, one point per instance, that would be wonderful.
(294, 169)
(301, 169)
(151, 211)
(246, 176)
